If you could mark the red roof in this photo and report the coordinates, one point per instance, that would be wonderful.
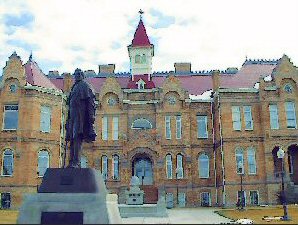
(36, 77)
(148, 83)
(140, 38)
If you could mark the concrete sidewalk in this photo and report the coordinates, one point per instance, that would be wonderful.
(182, 216)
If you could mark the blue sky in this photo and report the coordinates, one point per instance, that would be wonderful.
(64, 35)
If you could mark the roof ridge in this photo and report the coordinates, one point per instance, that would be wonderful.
(260, 61)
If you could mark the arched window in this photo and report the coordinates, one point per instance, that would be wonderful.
(138, 59)
(239, 161)
(141, 124)
(104, 167)
(179, 168)
(203, 166)
(251, 160)
(7, 163)
(115, 167)
(84, 162)
(169, 166)
(43, 162)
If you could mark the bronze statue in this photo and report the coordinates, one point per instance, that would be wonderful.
(81, 117)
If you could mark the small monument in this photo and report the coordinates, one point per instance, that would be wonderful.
(73, 195)
(134, 196)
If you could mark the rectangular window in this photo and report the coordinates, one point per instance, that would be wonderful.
(248, 118)
(205, 199)
(105, 128)
(274, 124)
(115, 128)
(291, 115)
(251, 159)
(45, 119)
(241, 198)
(104, 167)
(5, 200)
(11, 117)
(254, 197)
(181, 199)
(202, 127)
(239, 161)
(236, 117)
(178, 127)
(168, 127)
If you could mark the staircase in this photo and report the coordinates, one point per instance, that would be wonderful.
(150, 194)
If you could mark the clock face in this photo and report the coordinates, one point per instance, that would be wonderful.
(288, 88)
(172, 100)
(13, 88)
(111, 101)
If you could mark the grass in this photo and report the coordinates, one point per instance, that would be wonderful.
(8, 216)
(257, 213)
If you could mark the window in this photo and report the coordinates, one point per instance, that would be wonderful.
(202, 126)
(251, 159)
(141, 124)
(205, 199)
(141, 84)
(169, 166)
(105, 128)
(138, 59)
(248, 118)
(179, 168)
(7, 163)
(5, 200)
(115, 167)
(13, 88)
(143, 58)
(290, 162)
(115, 128)
(254, 197)
(291, 115)
(181, 199)
(236, 117)
(178, 127)
(84, 161)
(239, 161)
(168, 127)
(241, 198)
(104, 167)
(43, 162)
(45, 119)
(288, 88)
(274, 124)
(203, 166)
(11, 117)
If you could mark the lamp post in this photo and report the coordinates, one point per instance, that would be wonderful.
(240, 171)
(177, 186)
(280, 155)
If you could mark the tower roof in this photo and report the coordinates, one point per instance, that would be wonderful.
(140, 38)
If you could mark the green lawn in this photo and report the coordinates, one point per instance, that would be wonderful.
(257, 213)
(8, 216)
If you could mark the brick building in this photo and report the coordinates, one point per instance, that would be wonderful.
(188, 135)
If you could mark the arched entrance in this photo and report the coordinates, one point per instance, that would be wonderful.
(142, 168)
(293, 163)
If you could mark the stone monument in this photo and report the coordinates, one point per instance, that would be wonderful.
(134, 196)
(73, 195)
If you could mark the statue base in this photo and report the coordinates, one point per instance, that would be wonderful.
(70, 196)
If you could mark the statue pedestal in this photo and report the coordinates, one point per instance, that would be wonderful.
(70, 196)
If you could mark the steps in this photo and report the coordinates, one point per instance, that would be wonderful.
(150, 194)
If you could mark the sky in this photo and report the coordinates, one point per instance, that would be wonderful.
(216, 34)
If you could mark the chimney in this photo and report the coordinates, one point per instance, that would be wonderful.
(182, 67)
(215, 79)
(68, 82)
(108, 68)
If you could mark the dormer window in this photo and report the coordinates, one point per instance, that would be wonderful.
(141, 84)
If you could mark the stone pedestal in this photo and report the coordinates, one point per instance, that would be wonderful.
(70, 196)
(134, 196)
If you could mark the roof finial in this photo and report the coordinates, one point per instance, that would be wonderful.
(141, 12)
(30, 57)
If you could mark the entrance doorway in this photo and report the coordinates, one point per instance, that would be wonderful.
(142, 168)
(293, 163)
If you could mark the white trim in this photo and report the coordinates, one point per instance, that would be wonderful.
(168, 121)
(140, 90)
(140, 102)
(238, 90)
(7, 175)
(45, 90)
(3, 119)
